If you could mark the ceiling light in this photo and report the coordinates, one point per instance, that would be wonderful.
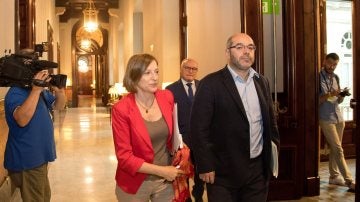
(90, 17)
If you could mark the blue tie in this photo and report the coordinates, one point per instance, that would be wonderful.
(190, 92)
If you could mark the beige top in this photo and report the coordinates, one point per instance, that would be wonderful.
(158, 131)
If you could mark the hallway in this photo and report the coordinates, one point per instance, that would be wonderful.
(85, 166)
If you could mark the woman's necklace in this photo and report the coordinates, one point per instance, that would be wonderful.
(145, 107)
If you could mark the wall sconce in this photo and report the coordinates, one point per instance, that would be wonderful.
(90, 17)
(116, 92)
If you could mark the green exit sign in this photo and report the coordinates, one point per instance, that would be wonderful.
(267, 6)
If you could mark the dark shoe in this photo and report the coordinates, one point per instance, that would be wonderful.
(198, 200)
(197, 192)
(188, 200)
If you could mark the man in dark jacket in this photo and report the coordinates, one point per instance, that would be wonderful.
(233, 125)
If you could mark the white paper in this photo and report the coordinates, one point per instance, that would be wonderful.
(177, 138)
(274, 160)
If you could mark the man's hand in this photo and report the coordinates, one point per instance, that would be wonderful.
(334, 93)
(208, 177)
(40, 80)
(60, 96)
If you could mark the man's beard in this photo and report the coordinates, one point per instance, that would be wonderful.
(236, 63)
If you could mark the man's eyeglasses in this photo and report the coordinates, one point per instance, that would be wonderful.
(194, 69)
(242, 47)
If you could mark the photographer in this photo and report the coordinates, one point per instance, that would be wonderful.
(31, 144)
(332, 123)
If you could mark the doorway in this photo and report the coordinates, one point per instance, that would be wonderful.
(342, 34)
(90, 67)
(86, 81)
(338, 39)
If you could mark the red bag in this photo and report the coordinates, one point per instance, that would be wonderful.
(180, 184)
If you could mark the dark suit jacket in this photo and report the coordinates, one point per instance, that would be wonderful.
(220, 129)
(184, 107)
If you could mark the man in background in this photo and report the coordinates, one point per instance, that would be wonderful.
(184, 91)
(332, 123)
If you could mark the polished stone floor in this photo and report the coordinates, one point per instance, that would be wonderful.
(85, 166)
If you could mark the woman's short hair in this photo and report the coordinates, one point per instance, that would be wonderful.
(135, 68)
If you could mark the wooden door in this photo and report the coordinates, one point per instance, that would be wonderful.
(25, 32)
(356, 59)
(296, 100)
(298, 174)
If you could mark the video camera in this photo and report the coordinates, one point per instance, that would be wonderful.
(19, 69)
(345, 92)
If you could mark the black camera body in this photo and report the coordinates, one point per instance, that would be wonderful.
(20, 69)
(345, 92)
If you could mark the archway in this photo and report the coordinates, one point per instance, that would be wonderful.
(90, 77)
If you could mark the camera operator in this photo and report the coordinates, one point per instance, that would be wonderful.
(332, 123)
(31, 144)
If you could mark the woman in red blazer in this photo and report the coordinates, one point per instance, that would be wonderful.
(142, 130)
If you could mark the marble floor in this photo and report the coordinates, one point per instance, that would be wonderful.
(85, 166)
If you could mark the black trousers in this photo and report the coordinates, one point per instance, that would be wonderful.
(255, 190)
(198, 188)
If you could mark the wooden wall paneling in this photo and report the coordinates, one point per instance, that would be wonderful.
(349, 140)
(183, 29)
(286, 181)
(322, 31)
(75, 82)
(26, 28)
(104, 65)
(287, 98)
(311, 157)
(356, 63)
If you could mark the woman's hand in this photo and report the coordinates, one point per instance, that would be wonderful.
(167, 172)
(170, 172)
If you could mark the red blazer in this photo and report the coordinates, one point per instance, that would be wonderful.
(132, 141)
